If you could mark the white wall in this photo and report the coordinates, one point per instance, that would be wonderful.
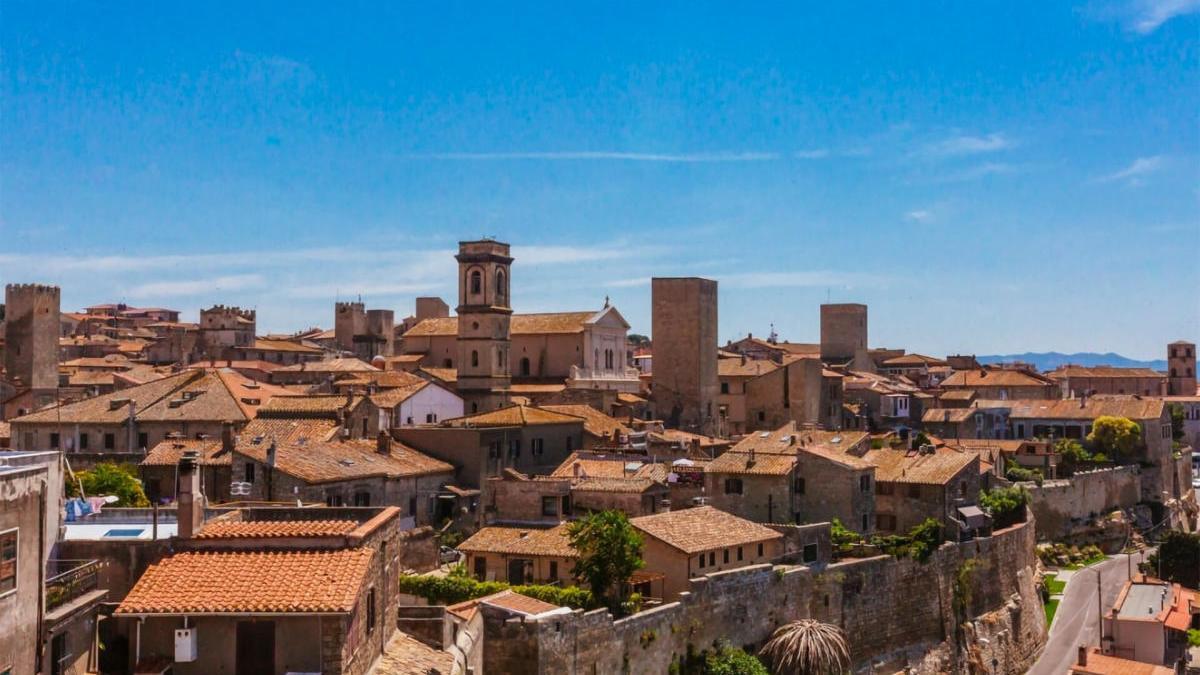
(430, 400)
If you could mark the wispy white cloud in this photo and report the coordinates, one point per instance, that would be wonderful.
(805, 279)
(961, 144)
(559, 255)
(919, 216)
(700, 157)
(816, 153)
(632, 282)
(1134, 172)
(373, 289)
(164, 289)
(1148, 15)
(978, 171)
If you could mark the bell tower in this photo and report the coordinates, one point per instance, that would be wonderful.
(484, 311)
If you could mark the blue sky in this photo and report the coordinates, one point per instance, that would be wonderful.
(989, 177)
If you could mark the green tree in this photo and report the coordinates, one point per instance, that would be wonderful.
(1006, 506)
(843, 538)
(1176, 422)
(1072, 454)
(108, 478)
(808, 647)
(1177, 559)
(1117, 437)
(610, 551)
(729, 660)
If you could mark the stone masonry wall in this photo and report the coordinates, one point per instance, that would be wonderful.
(897, 613)
(1060, 506)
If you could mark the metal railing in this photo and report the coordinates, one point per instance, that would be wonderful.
(67, 580)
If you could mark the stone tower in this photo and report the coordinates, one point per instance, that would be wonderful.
(1181, 368)
(380, 334)
(844, 334)
(349, 319)
(484, 311)
(684, 335)
(31, 329)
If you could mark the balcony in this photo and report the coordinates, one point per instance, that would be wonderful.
(69, 580)
(621, 378)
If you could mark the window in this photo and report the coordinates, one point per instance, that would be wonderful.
(501, 288)
(712, 559)
(553, 570)
(570, 443)
(474, 358)
(525, 365)
(362, 498)
(549, 506)
(536, 445)
(110, 441)
(724, 387)
(371, 611)
(500, 358)
(143, 440)
(514, 448)
(799, 485)
(447, 363)
(725, 557)
(914, 491)
(864, 523)
(885, 521)
(810, 553)
(83, 441)
(8, 561)
(762, 416)
(884, 488)
(739, 553)
(53, 439)
(733, 486)
(249, 472)
(412, 506)
(481, 568)
(760, 550)
(864, 484)
(701, 560)
(476, 282)
(334, 500)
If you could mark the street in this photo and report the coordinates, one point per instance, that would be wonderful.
(1078, 615)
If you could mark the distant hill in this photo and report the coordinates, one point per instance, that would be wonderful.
(1052, 360)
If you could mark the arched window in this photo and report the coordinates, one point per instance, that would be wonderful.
(501, 288)
(596, 359)
(447, 363)
(476, 282)
(525, 366)
(500, 358)
(475, 359)
(1172, 372)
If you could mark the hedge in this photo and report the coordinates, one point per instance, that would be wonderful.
(455, 588)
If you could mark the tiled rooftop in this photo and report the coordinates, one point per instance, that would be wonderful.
(288, 582)
(521, 541)
(170, 451)
(521, 324)
(330, 461)
(595, 422)
(513, 416)
(911, 466)
(702, 529)
(240, 529)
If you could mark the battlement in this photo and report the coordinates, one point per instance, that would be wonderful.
(34, 289)
(343, 307)
(229, 311)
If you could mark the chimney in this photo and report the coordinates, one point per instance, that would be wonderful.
(696, 445)
(191, 500)
(1082, 656)
(383, 443)
(227, 436)
(1082, 400)
(575, 470)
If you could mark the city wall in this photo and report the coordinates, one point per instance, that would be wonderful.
(896, 613)
(1063, 507)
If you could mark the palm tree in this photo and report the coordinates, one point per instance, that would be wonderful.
(808, 647)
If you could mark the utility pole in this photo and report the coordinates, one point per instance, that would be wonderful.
(1100, 607)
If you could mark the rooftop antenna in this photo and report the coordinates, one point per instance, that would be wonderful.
(828, 294)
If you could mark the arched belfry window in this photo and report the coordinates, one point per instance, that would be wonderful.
(475, 358)
(501, 288)
(476, 282)
(525, 366)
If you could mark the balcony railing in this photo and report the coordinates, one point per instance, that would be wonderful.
(67, 580)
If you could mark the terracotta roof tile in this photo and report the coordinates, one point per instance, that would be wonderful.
(308, 405)
(995, 377)
(595, 422)
(283, 346)
(406, 655)
(900, 466)
(506, 599)
(301, 582)
(1135, 408)
(702, 529)
(521, 541)
(956, 415)
(341, 365)
(615, 485)
(108, 408)
(332, 461)
(169, 451)
(520, 324)
(1103, 371)
(1101, 664)
(239, 529)
(513, 416)
(745, 367)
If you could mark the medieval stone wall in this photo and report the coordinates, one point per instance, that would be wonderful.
(896, 614)
(1061, 506)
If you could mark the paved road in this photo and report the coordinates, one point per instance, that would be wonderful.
(1077, 619)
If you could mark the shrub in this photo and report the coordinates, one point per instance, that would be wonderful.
(108, 478)
(843, 538)
(729, 660)
(920, 542)
(1019, 474)
(1006, 506)
(1116, 436)
(457, 587)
